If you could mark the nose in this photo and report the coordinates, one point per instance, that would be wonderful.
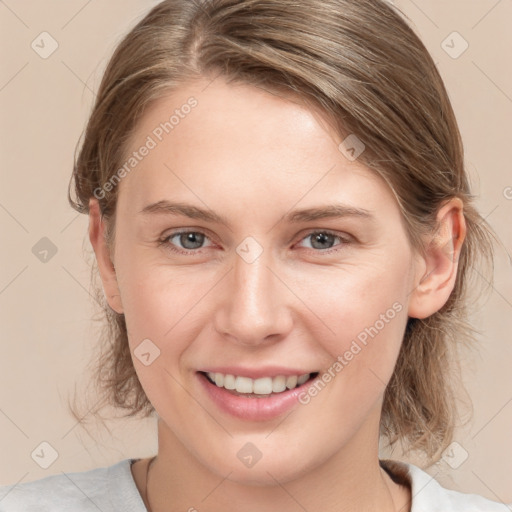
(253, 307)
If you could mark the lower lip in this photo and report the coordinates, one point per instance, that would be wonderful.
(252, 408)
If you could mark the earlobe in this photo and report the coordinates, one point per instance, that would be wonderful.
(101, 250)
(438, 273)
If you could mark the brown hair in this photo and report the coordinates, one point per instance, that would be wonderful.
(364, 68)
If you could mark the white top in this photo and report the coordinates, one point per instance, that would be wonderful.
(112, 489)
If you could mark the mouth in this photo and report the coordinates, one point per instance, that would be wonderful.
(262, 387)
(259, 399)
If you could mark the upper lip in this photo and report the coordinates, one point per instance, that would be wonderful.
(256, 373)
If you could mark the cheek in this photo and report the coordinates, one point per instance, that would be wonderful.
(363, 314)
(354, 303)
(159, 306)
(158, 303)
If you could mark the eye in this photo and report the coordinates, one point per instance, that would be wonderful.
(189, 240)
(322, 241)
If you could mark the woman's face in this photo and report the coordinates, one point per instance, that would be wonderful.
(294, 261)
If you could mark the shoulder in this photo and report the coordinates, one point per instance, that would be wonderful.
(92, 490)
(429, 496)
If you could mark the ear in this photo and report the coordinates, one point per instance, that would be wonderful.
(438, 268)
(105, 265)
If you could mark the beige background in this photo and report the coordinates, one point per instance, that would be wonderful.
(47, 333)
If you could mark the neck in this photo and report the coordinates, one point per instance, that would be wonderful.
(351, 480)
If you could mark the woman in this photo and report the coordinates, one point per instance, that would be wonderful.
(283, 228)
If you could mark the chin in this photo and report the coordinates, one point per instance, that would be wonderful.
(274, 467)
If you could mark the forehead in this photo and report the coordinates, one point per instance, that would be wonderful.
(250, 115)
(235, 141)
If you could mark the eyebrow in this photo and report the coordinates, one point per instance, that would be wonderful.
(165, 207)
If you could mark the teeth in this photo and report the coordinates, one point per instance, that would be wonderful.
(291, 382)
(262, 386)
(219, 380)
(242, 384)
(302, 379)
(229, 381)
(278, 384)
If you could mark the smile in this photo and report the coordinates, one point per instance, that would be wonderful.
(261, 398)
(262, 387)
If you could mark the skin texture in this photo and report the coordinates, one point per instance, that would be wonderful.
(252, 157)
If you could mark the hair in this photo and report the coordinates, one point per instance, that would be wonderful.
(362, 66)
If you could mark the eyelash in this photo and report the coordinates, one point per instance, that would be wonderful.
(165, 241)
